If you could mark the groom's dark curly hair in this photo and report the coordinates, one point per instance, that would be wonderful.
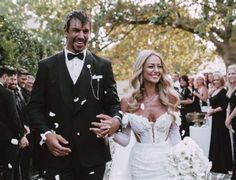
(76, 14)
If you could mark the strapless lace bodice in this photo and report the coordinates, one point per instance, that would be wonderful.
(150, 132)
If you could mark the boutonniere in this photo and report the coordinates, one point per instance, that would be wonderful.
(98, 77)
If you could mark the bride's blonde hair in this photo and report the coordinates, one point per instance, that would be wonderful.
(168, 96)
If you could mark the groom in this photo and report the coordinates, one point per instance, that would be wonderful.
(72, 89)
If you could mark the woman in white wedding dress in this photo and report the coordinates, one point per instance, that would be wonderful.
(150, 114)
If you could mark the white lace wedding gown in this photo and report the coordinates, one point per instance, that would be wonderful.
(148, 157)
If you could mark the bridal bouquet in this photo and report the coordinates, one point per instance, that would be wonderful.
(187, 161)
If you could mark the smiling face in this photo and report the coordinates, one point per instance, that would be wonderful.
(77, 35)
(22, 80)
(152, 69)
(231, 75)
(218, 81)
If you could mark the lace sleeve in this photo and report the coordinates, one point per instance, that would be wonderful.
(123, 137)
(174, 134)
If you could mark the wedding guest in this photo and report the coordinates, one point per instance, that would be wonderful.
(72, 89)
(209, 81)
(220, 153)
(175, 79)
(230, 121)
(11, 129)
(200, 91)
(186, 102)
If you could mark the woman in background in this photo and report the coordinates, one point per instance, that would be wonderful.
(201, 91)
(220, 146)
(230, 121)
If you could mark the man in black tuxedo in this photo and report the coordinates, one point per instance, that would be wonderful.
(72, 89)
(11, 129)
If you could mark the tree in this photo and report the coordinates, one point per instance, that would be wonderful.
(18, 47)
(211, 20)
(117, 25)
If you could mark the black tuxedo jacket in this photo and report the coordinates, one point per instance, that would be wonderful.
(10, 124)
(56, 104)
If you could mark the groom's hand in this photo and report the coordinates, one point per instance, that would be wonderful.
(109, 125)
(54, 142)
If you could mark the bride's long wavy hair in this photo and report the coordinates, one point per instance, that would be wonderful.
(168, 96)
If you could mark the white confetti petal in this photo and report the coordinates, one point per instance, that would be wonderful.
(89, 66)
(57, 177)
(9, 165)
(182, 132)
(105, 92)
(78, 133)
(56, 125)
(76, 99)
(121, 112)
(142, 106)
(43, 137)
(92, 172)
(83, 101)
(14, 141)
(51, 114)
(41, 142)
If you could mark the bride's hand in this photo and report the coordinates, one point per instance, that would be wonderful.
(106, 127)
(109, 125)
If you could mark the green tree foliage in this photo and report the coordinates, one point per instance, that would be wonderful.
(18, 47)
(121, 28)
(212, 20)
(181, 52)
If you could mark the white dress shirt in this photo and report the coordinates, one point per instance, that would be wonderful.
(74, 66)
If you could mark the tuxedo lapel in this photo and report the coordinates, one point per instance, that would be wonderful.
(65, 80)
(84, 81)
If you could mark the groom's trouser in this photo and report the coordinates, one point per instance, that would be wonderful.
(76, 173)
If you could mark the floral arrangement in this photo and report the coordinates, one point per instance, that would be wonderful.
(187, 161)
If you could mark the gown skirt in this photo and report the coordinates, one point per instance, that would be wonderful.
(149, 161)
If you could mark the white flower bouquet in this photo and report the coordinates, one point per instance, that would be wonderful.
(187, 161)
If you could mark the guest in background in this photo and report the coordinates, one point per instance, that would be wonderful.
(209, 81)
(186, 105)
(29, 84)
(11, 129)
(201, 91)
(175, 79)
(230, 121)
(220, 153)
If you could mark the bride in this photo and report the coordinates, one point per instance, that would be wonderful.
(150, 113)
(152, 117)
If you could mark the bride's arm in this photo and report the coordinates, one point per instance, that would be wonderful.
(122, 137)
(174, 134)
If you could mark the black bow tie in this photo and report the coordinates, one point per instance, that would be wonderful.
(70, 56)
